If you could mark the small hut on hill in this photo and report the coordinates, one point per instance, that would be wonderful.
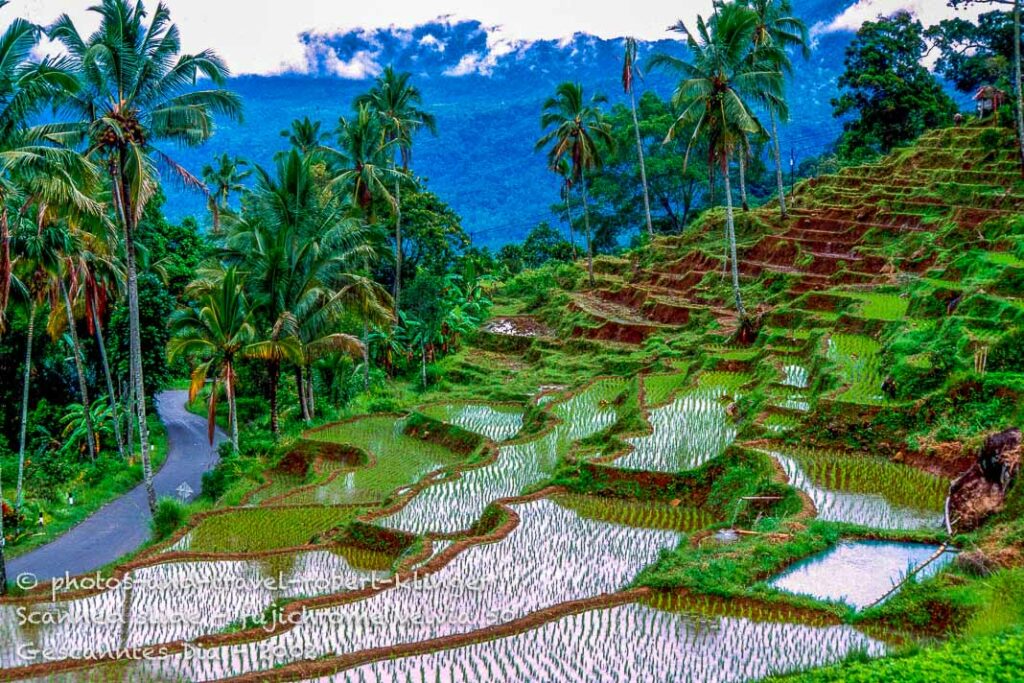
(989, 99)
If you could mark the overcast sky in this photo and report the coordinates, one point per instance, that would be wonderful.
(260, 36)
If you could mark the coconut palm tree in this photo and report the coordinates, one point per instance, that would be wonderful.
(777, 32)
(134, 89)
(397, 103)
(720, 84)
(216, 332)
(305, 135)
(362, 169)
(69, 285)
(361, 166)
(38, 255)
(102, 277)
(25, 86)
(630, 72)
(223, 179)
(576, 130)
(301, 253)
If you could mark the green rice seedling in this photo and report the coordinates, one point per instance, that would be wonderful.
(660, 388)
(645, 514)
(280, 484)
(1004, 258)
(777, 423)
(879, 306)
(866, 490)
(712, 606)
(496, 422)
(552, 556)
(456, 504)
(687, 432)
(789, 398)
(248, 530)
(628, 643)
(182, 601)
(728, 382)
(398, 460)
(794, 375)
(858, 359)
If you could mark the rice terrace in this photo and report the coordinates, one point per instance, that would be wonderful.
(717, 419)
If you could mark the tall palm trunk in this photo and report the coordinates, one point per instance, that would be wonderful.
(229, 387)
(310, 396)
(366, 357)
(730, 228)
(114, 412)
(275, 424)
(5, 263)
(1018, 86)
(134, 329)
(398, 245)
(423, 364)
(743, 179)
(83, 386)
(643, 165)
(777, 154)
(586, 225)
(3, 542)
(300, 391)
(18, 499)
(129, 421)
(215, 213)
(568, 219)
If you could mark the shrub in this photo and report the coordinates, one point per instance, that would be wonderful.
(991, 140)
(535, 286)
(170, 515)
(1008, 354)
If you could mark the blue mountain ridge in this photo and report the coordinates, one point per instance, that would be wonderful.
(483, 162)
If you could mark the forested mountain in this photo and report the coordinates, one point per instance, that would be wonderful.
(486, 92)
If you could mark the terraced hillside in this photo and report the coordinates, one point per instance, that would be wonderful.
(644, 499)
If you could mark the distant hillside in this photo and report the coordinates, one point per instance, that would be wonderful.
(487, 94)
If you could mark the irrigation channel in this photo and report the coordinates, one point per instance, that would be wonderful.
(463, 593)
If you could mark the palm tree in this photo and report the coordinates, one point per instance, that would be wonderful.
(24, 88)
(223, 179)
(216, 332)
(576, 130)
(38, 261)
(718, 86)
(135, 88)
(397, 104)
(362, 168)
(300, 252)
(102, 276)
(68, 284)
(778, 31)
(630, 71)
(305, 135)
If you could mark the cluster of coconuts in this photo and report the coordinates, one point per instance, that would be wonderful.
(131, 130)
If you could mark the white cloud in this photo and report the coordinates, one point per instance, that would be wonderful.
(262, 36)
(432, 41)
(928, 11)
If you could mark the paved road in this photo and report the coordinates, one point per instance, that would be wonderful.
(123, 524)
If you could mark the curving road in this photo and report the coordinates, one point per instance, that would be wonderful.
(123, 524)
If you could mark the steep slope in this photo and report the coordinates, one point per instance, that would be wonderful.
(893, 284)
